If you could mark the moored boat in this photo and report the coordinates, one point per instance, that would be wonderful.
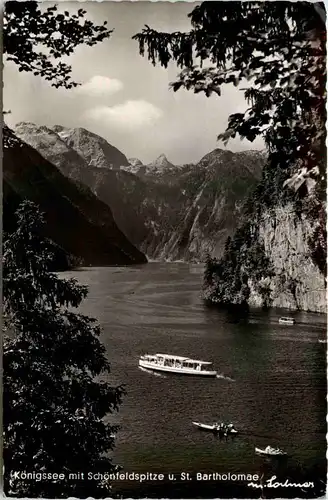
(177, 364)
(270, 452)
(285, 320)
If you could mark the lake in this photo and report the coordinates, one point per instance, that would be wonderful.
(272, 386)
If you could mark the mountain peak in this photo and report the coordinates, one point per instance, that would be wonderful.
(31, 127)
(92, 149)
(161, 163)
(58, 128)
(162, 159)
(25, 124)
(226, 163)
(135, 162)
(96, 151)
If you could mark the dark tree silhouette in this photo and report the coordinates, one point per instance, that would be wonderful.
(56, 389)
(35, 37)
(279, 50)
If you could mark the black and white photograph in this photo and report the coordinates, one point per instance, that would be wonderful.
(164, 250)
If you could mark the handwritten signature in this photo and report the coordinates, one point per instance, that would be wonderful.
(272, 483)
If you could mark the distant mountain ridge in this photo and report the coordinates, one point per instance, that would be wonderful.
(95, 150)
(160, 166)
(168, 211)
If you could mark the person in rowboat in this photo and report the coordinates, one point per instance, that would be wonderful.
(222, 430)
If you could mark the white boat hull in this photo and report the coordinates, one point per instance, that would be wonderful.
(172, 369)
(212, 428)
(205, 427)
(268, 454)
(286, 322)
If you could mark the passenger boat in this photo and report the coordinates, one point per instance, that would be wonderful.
(286, 320)
(177, 364)
(270, 452)
(224, 428)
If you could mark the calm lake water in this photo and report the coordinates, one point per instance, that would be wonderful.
(272, 385)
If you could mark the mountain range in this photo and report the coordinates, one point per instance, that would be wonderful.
(167, 211)
(102, 209)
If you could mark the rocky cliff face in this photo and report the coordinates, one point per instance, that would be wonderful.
(169, 212)
(297, 282)
(276, 257)
(212, 195)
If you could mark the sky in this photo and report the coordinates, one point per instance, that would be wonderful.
(123, 97)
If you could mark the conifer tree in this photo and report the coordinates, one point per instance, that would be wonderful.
(56, 389)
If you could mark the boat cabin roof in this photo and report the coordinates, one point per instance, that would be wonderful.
(182, 358)
(287, 318)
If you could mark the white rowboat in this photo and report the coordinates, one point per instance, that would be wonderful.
(270, 452)
(286, 321)
(215, 428)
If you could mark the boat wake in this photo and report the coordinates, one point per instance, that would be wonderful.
(151, 372)
(225, 377)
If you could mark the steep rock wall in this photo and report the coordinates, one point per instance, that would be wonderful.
(297, 283)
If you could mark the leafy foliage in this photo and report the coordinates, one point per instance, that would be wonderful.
(269, 192)
(226, 280)
(278, 50)
(35, 38)
(316, 213)
(55, 390)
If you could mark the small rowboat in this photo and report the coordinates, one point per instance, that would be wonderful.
(270, 452)
(224, 428)
(286, 321)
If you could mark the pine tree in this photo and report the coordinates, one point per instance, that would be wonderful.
(56, 389)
